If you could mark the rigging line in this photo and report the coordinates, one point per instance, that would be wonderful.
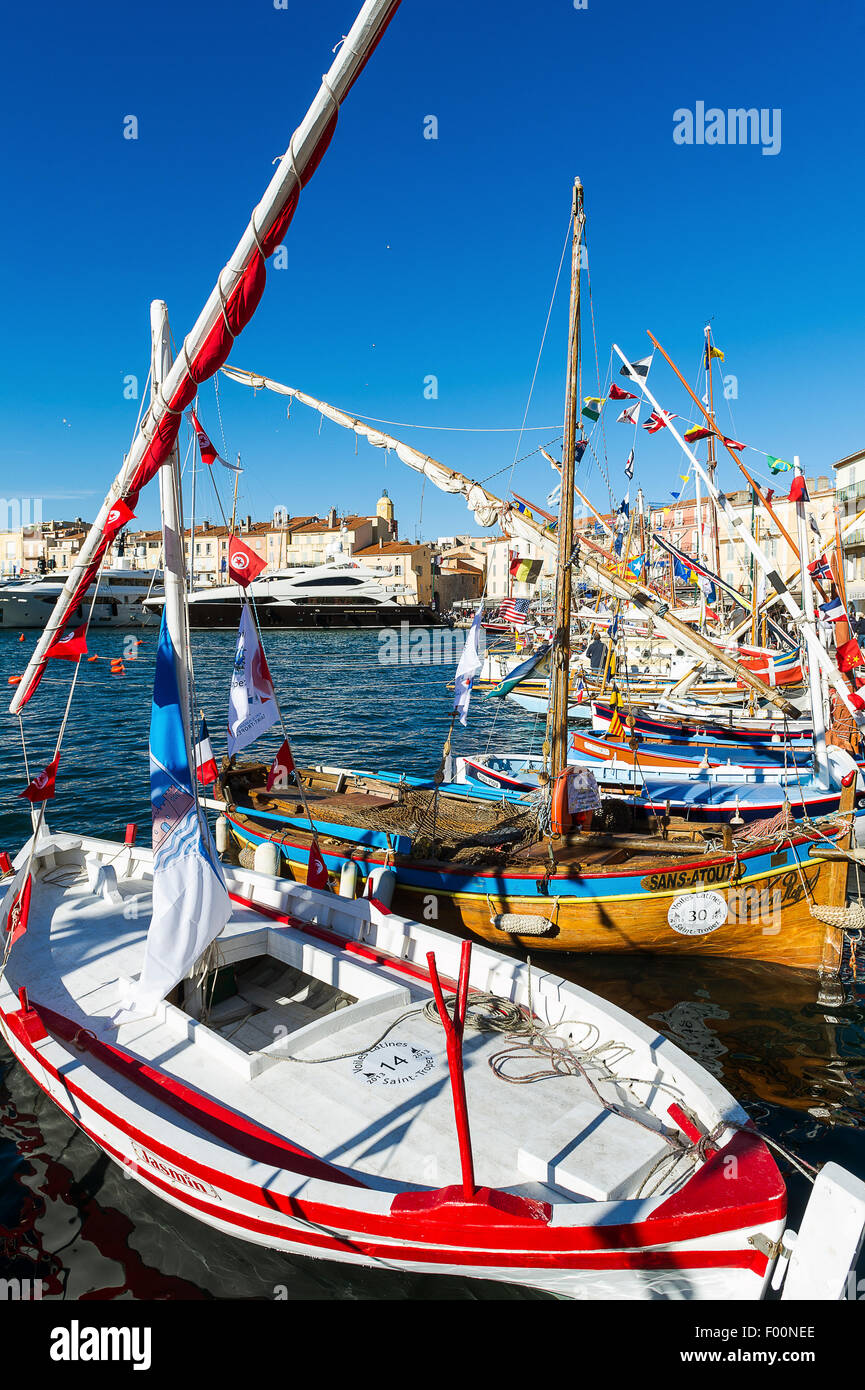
(522, 459)
(451, 429)
(597, 361)
(543, 340)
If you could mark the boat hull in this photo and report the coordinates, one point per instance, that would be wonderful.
(767, 892)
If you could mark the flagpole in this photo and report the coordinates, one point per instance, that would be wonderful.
(174, 560)
(815, 691)
(557, 717)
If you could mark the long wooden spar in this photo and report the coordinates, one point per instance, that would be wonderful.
(816, 647)
(490, 508)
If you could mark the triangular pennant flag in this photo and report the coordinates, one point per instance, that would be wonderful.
(243, 564)
(617, 394)
(281, 770)
(207, 450)
(658, 420)
(697, 432)
(42, 788)
(630, 415)
(639, 369)
(316, 870)
(119, 515)
(733, 444)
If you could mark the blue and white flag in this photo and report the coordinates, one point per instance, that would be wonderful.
(470, 663)
(190, 900)
(833, 611)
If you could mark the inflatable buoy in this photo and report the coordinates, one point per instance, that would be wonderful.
(15, 680)
(93, 658)
(21, 637)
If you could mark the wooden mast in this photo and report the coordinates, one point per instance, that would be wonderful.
(557, 729)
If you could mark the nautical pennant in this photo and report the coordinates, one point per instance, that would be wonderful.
(281, 769)
(639, 369)
(630, 415)
(617, 394)
(207, 450)
(316, 870)
(592, 406)
(119, 515)
(629, 465)
(709, 353)
(697, 432)
(43, 786)
(834, 611)
(658, 420)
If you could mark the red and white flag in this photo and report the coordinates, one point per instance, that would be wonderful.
(316, 872)
(205, 764)
(70, 643)
(282, 768)
(42, 787)
(243, 564)
(119, 516)
(252, 706)
(616, 393)
(659, 420)
(206, 449)
(630, 415)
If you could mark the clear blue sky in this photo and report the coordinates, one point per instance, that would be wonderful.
(410, 257)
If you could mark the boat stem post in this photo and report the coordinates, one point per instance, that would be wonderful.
(454, 1028)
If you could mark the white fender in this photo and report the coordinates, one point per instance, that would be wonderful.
(266, 858)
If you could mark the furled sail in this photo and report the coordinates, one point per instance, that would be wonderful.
(595, 563)
(229, 308)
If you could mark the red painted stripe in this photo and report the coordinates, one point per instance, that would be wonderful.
(230, 1127)
(495, 1258)
(675, 1221)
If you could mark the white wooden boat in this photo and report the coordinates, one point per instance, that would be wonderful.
(608, 1180)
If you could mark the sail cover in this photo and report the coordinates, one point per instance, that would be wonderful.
(229, 308)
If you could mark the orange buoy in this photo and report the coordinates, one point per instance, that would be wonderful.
(93, 658)
(21, 637)
(15, 680)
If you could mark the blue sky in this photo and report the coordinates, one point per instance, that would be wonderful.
(411, 257)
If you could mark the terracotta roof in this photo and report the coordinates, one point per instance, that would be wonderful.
(389, 548)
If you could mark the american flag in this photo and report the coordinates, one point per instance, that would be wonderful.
(514, 611)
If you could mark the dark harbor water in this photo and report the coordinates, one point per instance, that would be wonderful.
(72, 1218)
